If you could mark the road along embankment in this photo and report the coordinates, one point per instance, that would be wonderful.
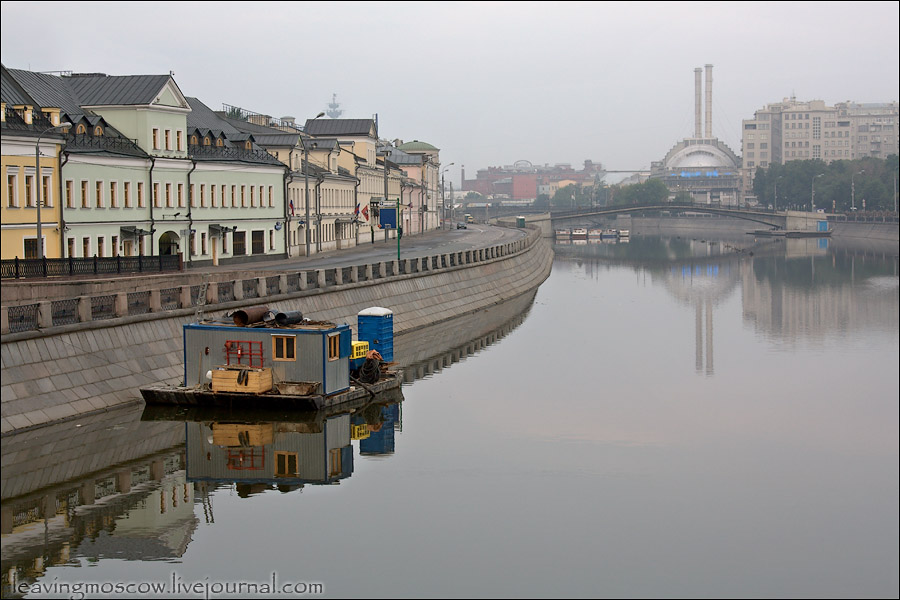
(110, 348)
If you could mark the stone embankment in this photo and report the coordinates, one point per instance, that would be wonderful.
(66, 357)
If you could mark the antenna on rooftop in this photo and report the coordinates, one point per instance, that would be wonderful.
(334, 108)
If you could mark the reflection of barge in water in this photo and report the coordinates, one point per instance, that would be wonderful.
(267, 360)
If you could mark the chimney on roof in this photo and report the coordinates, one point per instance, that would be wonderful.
(709, 101)
(698, 102)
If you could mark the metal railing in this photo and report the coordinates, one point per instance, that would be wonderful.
(23, 268)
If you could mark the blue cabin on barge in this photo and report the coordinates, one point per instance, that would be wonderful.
(301, 352)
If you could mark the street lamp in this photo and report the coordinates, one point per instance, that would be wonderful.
(306, 179)
(812, 201)
(39, 183)
(853, 189)
(776, 192)
(444, 202)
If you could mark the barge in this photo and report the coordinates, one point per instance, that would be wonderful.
(264, 360)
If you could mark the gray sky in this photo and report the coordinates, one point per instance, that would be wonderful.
(487, 82)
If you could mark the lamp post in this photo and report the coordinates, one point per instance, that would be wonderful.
(776, 193)
(853, 189)
(306, 180)
(444, 202)
(812, 200)
(39, 184)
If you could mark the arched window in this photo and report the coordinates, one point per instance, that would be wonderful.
(81, 129)
(206, 141)
(219, 142)
(248, 145)
(193, 140)
(98, 130)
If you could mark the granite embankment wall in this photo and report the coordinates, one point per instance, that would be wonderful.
(60, 372)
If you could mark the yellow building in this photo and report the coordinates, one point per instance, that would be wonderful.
(25, 126)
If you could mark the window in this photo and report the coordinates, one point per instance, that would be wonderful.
(206, 141)
(70, 194)
(286, 464)
(179, 140)
(127, 192)
(85, 199)
(156, 195)
(193, 140)
(98, 188)
(155, 138)
(115, 245)
(140, 194)
(113, 198)
(31, 248)
(212, 196)
(243, 196)
(29, 191)
(202, 194)
(70, 245)
(180, 195)
(253, 197)
(271, 196)
(334, 346)
(168, 195)
(239, 243)
(168, 139)
(271, 240)
(80, 129)
(233, 196)
(98, 130)
(101, 246)
(259, 242)
(203, 243)
(12, 197)
(86, 247)
(284, 347)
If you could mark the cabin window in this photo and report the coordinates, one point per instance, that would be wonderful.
(336, 466)
(284, 347)
(334, 346)
(286, 464)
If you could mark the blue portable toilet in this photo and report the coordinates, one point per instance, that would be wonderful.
(376, 326)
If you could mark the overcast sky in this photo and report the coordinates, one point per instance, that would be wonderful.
(489, 83)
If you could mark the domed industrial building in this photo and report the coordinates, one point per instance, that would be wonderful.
(701, 166)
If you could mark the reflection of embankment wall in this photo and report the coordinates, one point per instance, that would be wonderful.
(428, 350)
(103, 364)
(710, 226)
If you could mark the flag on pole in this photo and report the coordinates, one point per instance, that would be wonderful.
(292, 206)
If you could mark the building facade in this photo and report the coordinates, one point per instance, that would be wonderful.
(812, 130)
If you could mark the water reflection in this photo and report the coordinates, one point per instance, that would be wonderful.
(134, 484)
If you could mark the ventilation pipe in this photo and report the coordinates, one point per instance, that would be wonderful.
(709, 101)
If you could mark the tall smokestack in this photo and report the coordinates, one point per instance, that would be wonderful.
(698, 102)
(709, 101)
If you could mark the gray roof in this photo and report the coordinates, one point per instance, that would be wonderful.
(203, 117)
(117, 90)
(50, 91)
(340, 126)
(400, 157)
(11, 92)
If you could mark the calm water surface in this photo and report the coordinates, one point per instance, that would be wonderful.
(668, 417)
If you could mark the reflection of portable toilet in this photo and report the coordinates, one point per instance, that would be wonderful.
(376, 326)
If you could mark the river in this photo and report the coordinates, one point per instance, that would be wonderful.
(668, 417)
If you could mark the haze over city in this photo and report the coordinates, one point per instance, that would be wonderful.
(488, 83)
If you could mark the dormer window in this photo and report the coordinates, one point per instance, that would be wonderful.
(248, 145)
(80, 129)
(98, 130)
(219, 143)
(206, 141)
(193, 140)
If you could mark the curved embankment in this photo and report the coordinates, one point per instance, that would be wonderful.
(96, 366)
